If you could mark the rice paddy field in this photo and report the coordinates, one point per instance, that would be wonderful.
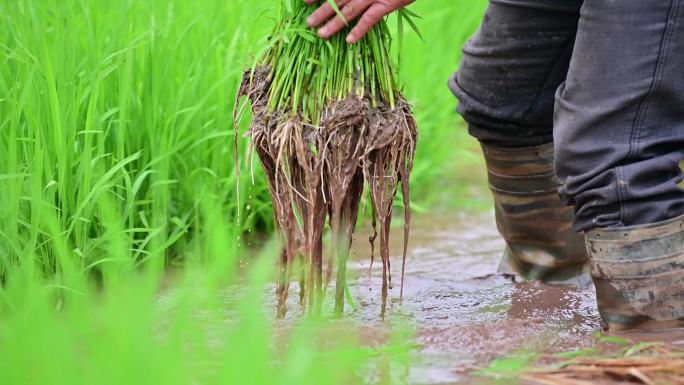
(120, 220)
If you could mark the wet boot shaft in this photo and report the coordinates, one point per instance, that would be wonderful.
(537, 227)
(639, 275)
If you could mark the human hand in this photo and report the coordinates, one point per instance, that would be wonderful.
(369, 13)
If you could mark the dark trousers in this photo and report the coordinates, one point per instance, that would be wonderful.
(604, 80)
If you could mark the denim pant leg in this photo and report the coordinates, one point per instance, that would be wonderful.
(511, 68)
(619, 119)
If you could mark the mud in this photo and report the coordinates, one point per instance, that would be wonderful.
(463, 313)
(460, 312)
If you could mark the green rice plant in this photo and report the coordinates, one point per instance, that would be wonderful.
(123, 101)
(308, 73)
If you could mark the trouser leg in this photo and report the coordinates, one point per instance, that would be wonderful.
(505, 85)
(619, 136)
(511, 68)
(620, 115)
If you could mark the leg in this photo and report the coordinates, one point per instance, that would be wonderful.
(511, 69)
(506, 84)
(619, 138)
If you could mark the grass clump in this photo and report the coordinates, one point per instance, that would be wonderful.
(327, 116)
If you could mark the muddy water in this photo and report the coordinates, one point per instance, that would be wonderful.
(461, 313)
(464, 313)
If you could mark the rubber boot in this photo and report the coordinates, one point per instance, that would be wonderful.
(639, 275)
(540, 241)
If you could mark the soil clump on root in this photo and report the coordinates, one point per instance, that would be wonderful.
(317, 172)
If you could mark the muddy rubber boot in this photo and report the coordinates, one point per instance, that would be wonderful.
(639, 275)
(537, 227)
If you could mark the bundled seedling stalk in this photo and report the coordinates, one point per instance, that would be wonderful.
(327, 116)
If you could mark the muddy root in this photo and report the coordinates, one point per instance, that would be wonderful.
(318, 172)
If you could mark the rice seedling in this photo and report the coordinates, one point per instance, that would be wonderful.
(327, 116)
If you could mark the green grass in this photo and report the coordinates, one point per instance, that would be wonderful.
(116, 164)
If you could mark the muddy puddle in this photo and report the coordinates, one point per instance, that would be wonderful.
(464, 314)
(461, 312)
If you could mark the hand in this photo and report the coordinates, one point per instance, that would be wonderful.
(369, 12)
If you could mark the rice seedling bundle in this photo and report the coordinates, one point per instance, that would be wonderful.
(328, 119)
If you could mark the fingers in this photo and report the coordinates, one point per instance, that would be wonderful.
(350, 11)
(372, 12)
(372, 16)
(323, 13)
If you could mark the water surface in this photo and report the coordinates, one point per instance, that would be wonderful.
(464, 314)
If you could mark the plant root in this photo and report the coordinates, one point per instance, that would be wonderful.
(317, 172)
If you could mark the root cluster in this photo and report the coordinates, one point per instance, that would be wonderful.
(317, 173)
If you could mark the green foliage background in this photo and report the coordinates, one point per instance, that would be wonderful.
(116, 164)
